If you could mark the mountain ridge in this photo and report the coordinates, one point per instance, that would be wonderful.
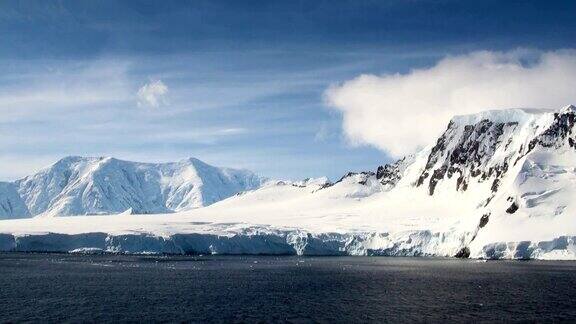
(76, 185)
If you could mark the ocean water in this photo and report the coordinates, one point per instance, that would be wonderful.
(116, 288)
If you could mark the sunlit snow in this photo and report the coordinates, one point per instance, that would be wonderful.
(499, 184)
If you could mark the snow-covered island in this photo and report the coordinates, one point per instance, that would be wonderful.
(497, 185)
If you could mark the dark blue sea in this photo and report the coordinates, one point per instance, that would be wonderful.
(119, 288)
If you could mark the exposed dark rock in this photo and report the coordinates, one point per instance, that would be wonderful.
(326, 185)
(363, 179)
(558, 131)
(495, 185)
(513, 208)
(556, 134)
(382, 171)
(436, 176)
(421, 179)
(390, 174)
(484, 220)
(464, 253)
(475, 145)
(461, 184)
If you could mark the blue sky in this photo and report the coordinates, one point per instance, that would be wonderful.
(244, 81)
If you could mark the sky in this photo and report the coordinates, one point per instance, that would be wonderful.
(288, 89)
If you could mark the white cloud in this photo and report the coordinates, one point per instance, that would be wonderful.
(401, 112)
(152, 94)
(322, 133)
(49, 90)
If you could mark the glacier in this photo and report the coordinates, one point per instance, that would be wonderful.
(495, 185)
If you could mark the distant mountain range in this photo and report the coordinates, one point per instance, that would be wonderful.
(103, 185)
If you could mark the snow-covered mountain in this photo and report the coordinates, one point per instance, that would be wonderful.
(498, 184)
(99, 185)
(11, 204)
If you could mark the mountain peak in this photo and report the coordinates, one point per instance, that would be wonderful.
(568, 109)
(193, 161)
(518, 115)
(482, 147)
(70, 159)
(508, 115)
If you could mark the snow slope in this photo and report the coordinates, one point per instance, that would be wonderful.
(98, 185)
(11, 205)
(499, 184)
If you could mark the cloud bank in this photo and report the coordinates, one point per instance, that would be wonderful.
(400, 113)
(152, 94)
